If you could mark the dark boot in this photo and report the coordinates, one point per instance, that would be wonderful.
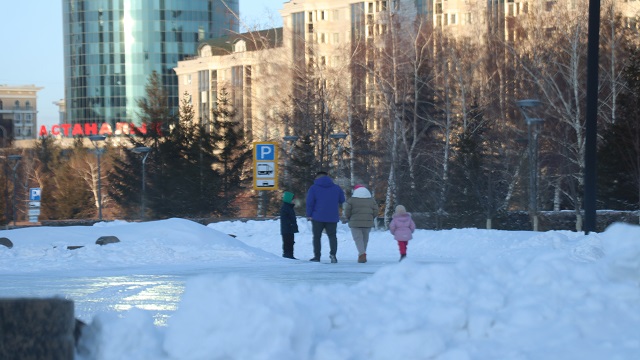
(402, 256)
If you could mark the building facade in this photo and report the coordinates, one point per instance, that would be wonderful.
(337, 43)
(18, 112)
(111, 47)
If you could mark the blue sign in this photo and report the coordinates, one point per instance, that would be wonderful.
(34, 194)
(265, 152)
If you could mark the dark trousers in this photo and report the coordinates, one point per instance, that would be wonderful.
(330, 228)
(287, 244)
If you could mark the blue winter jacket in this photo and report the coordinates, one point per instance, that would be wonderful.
(324, 199)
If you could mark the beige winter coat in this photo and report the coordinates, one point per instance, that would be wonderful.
(360, 209)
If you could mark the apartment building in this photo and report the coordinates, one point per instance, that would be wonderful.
(335, 41)
(18, 112)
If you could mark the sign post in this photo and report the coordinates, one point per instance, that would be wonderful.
(34, 204)
(265, 166)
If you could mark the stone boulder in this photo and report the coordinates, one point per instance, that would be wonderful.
(104, 240)
(6, 242)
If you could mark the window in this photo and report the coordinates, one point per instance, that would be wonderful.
(240, 46)
(27, 105)
(336, 38)
(16, 105)
(335, 15)
(453, 19)
(310, 16)
(549, 5)
(323, 38)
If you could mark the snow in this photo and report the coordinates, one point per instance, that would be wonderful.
(175, 289)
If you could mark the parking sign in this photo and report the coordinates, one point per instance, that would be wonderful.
(265, 166)
(34, 194)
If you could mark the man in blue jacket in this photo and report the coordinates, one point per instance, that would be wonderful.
(324, 199)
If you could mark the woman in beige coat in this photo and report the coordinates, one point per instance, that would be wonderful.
(360, 211)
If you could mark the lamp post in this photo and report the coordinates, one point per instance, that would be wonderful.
(528, 108)
(94, 140)
(291, 139)
(16, 159)
(339, 137)
(142, 150)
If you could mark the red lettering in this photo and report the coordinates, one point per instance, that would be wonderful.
(91, 129)
(141, 130)
(119, 128)
(122, 128)
(65, 129)
(77, 130)
(105, 129)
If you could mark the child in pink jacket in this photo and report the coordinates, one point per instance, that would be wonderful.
(402, 227)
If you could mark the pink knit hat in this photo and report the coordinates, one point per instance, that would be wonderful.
(358, 186)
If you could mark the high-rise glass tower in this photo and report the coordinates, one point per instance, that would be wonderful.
(111, 47)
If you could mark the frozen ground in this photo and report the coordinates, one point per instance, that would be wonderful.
(174, 289)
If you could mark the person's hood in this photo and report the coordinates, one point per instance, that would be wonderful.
(361, 192)
(324, 181)
(287, 197)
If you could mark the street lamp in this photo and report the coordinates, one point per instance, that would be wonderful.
(528, 108)
(142, 150)
(339, 137)
(291, 139)
(16, 159)
(94, 140)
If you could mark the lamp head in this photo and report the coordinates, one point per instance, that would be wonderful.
(141, 149)
(95, 138)
(339, 136)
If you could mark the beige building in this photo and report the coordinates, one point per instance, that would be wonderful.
(319, 39)
(239, 69)
(324, 39)
(18, 112)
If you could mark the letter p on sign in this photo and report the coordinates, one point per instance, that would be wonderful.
(265, 152)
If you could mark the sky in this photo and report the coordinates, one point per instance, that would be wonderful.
(177, 290)
(32, 46)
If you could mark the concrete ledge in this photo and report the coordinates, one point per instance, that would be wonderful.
(32, 329)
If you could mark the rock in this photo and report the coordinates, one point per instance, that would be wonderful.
(104, 240)
(6, 242)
